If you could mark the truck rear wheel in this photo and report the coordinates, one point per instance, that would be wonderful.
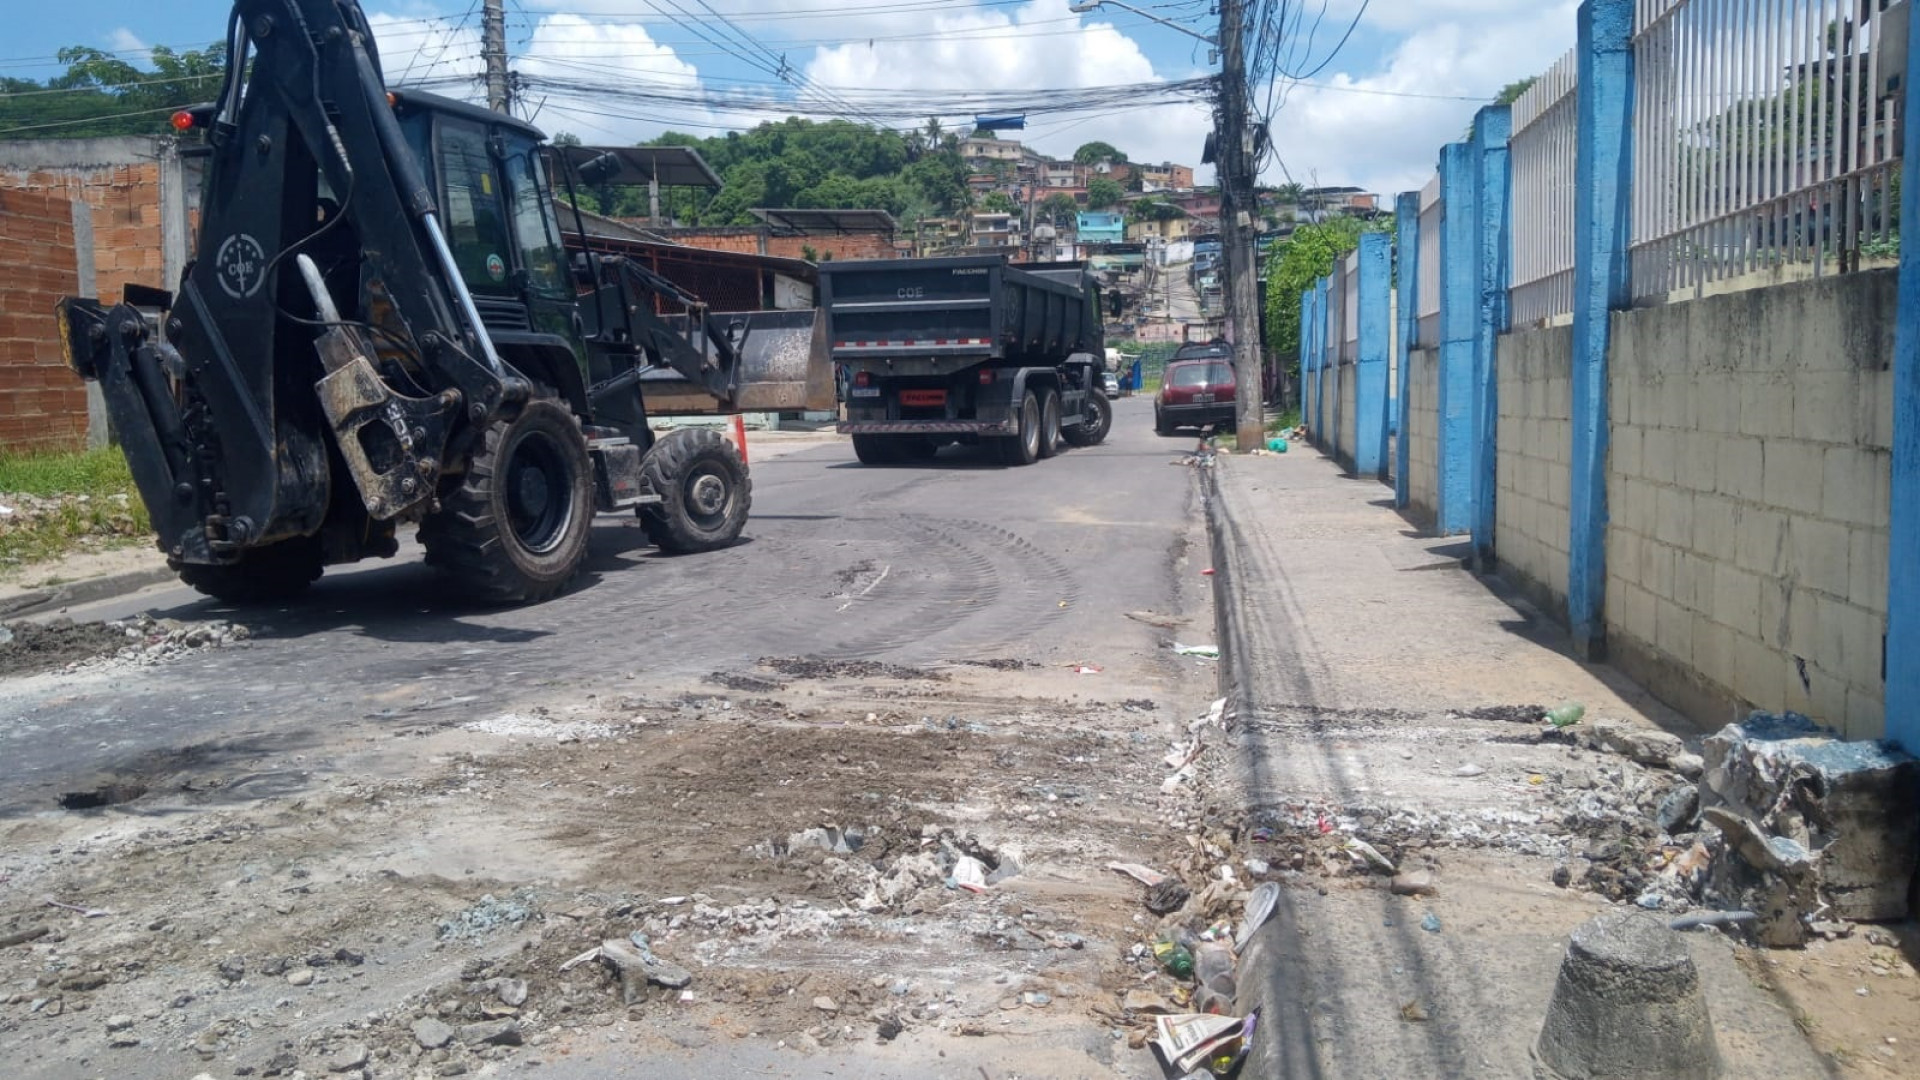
(1049, 422)
(515, 530)
(1023, 448)
(704, 488)
(1096, 422)
(264, 575)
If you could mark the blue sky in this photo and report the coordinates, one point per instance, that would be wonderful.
(1406, 80)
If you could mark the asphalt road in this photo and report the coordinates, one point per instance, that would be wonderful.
(955, 560)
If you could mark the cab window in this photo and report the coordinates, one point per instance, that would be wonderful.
(475, 219)
(533, 223)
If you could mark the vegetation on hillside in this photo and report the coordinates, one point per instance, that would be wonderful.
(1295, 264)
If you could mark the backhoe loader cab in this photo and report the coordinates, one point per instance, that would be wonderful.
(382, 325)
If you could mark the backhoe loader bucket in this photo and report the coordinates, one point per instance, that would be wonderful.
(784, 367)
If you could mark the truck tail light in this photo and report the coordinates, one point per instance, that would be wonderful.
(986, 376)
(862, 378)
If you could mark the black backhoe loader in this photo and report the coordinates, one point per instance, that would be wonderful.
(383, 324)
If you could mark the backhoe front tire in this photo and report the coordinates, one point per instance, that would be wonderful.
(515, 530)
(704, 488)
(264, 575)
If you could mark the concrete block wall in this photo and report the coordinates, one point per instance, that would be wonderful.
(1531, 501)
(1423, 433)
(43, 405)
(1748, 486)
(1349, 426)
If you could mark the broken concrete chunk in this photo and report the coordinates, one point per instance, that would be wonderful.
(491, 1033)
(1413, 883)
(351, 1056)
(1854, 805)
(637, 967)
(431, 1034)
(1678, 810)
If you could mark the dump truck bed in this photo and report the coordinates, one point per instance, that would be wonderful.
(972, 308)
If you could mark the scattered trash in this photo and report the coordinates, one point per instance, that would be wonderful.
(1413, 1013)
(1036, 999)
(1278, 446)
(1087, 669)
(1566, 715)
(1164, 622)
(1213, 1044)
(1370, 855)
(1173, 957)
(1139, 873)
(1260, 908)
(1167, 897)
(1430, 923)
(970, 874)
(1208, 572)
(1145, 1002)
(1205, 652)
(6, 635)
(1469, 769)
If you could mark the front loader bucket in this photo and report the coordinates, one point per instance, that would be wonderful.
(784, 367)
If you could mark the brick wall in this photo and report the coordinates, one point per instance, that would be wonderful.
(43, 406)
(1531, 500)
(1423, 433)
(126, 218)
(750, 240)
(1748, 485)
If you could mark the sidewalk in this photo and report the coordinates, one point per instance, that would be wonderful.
(1354, 648)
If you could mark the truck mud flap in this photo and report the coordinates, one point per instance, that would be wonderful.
(392, 444)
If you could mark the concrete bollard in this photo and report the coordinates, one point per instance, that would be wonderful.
(1627, 1005)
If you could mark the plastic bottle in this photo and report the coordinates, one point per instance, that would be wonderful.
(1566, 715)
(1213, 968)
(1173, 957)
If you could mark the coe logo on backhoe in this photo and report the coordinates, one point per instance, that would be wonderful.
(240, 264)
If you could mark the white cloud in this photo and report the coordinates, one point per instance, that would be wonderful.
(1469, 48)
(1026, 49)
(123, 40)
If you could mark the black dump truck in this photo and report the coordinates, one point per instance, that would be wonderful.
(969, 350)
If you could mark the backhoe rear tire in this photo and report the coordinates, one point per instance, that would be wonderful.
(705, 489)
(515, 530)
(264, 575)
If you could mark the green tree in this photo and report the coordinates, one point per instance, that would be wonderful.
(1060, 209)
(100, 94)
(1103, 193)
(999, 202)
(1511, 92)
(1299, 261)
(1095, 152)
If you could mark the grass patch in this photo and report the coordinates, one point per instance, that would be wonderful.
(1285, 421)
(63, 504)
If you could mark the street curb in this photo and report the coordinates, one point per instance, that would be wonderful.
(1272, 975)
(106, 587)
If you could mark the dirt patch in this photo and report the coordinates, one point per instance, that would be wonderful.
(805, 873)
(28, 648)
(746, 684)
(1507, 714)
(1001, 664)
(814, 667)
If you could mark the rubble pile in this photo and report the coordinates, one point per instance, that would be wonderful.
(156, 641)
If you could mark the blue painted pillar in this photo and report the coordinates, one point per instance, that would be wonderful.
(1459, 320)
(1321, 302)
(1309, 359)
(1406, 210)
(1602, 236)
(1306, 352)
(1903, 547)
(1370, 364)
(1492, 127)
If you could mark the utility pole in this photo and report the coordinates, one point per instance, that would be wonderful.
(1238, 208)
(493, 49)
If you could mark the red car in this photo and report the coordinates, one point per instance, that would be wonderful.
(1196, 391)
